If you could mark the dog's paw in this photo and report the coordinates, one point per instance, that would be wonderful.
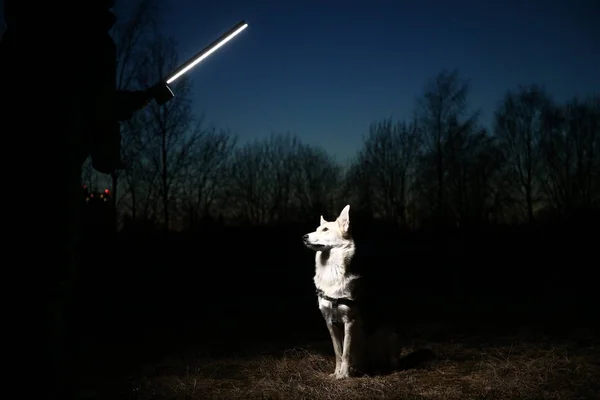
(341, 375)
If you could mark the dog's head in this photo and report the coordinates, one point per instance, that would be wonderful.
(330, 235)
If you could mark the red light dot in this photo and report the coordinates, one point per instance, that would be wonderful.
(105, 190)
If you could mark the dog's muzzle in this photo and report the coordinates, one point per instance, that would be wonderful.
(310, 245)
(305, 240)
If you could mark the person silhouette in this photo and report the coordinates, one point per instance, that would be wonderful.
(82, 110)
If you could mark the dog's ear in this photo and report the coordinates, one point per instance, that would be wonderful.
(344, 219)
(322, 221)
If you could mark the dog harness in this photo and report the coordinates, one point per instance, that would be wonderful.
(334, 304)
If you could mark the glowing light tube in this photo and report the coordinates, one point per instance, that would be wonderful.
(207, 51)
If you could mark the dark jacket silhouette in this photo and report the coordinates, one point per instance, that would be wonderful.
(61, 86)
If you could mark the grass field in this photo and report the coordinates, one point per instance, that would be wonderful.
(518, 367)
(168, 330)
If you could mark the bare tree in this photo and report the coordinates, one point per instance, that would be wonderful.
(280, 179)
(139, 175)
(520, 128)
(206, 173)
(282, 153)
(557, 154)
(249, 186)
(172, 132)
(443, 112)
(263, 178)
(356, 188)
(473, 165)
(388, 157)
(131, 37)
(569, 149)
(316, 181)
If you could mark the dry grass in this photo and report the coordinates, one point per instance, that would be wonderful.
(516, 369)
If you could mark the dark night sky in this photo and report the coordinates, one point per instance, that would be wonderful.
(327, 69)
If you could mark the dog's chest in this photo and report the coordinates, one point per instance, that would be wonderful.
(331, 276)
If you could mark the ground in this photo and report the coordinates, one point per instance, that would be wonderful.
(155, 325)
(516, 367)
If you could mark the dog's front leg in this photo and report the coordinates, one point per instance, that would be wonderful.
(337, 338)
(351, 349)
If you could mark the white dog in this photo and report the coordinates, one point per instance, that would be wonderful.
(339, 290)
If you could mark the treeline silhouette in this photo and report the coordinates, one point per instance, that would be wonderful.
(539, 161)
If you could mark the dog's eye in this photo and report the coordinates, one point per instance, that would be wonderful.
(325, 229)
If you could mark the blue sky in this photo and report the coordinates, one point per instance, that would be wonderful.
(326, 69)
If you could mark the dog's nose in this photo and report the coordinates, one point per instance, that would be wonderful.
(305, 238)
